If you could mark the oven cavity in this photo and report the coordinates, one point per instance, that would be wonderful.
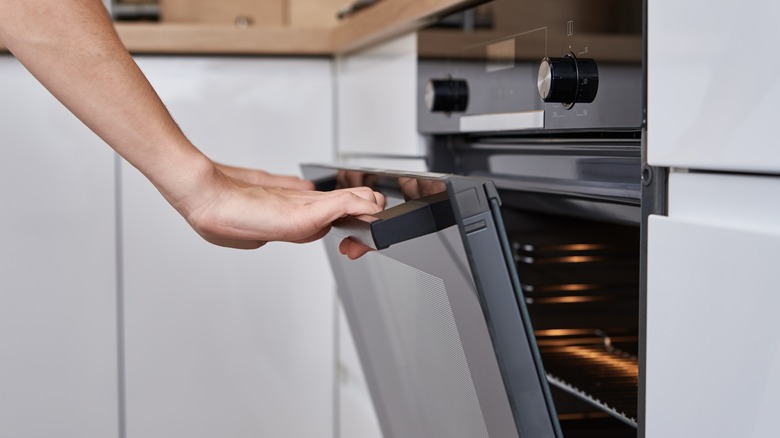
(580, 283)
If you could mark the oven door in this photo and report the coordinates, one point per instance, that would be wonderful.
(436, 311)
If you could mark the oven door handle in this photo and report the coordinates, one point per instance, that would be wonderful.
(398, 224)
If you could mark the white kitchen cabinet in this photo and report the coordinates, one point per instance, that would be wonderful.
(712, 330)
(58, 337)
(376, 100)
(713, 334)
(713, 85)
(223, 342)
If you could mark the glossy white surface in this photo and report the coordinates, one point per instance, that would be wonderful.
(733, 201)
(376, 100)
(220, 342)
(713, 356)
(713, 335)
(713, 85)
(58, 358)
(357, 417)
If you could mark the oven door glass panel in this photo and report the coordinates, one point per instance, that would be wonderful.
(439, 328)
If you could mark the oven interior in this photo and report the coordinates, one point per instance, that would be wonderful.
(580, 282)
(571, 208)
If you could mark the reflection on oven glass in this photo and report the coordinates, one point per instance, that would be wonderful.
(612, 27)
(409, 187)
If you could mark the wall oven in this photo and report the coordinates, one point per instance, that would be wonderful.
(506, 297)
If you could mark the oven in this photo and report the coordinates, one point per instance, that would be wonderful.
(506, 295)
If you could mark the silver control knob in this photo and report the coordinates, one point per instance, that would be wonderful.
(568, 80)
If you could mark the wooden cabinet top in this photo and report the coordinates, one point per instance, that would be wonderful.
(385, 19)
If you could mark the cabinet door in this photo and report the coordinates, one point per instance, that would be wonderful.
(58, 338)
(377, 101)
(713, 336)
(713, 85)
(223, 342)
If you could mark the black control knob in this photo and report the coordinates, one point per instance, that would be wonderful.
(568, 80)
(447, 95)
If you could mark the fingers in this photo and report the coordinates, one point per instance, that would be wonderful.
(409, 188)
(367, 194)
(352, 202)
(352, 249)
(350, 178)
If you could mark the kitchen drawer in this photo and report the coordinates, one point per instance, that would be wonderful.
(713, 85)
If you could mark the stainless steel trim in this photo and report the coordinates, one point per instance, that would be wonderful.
(502, 122)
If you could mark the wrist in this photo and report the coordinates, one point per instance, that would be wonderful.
(189, 182)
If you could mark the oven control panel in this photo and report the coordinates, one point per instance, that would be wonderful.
(533, 66)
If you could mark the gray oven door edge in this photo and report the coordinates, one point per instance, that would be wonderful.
(484, 237)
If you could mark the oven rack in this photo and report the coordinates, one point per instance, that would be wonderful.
(617, 367)
(573, 390)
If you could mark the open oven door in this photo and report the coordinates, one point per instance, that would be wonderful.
(436, 311)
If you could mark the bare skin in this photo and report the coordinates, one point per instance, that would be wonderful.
(71, 47)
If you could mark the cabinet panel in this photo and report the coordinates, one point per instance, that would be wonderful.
(733, 201)
(712, 337)
(713, 362)
(223, 342)
(58, 339)
(713, 85)
(377, 100)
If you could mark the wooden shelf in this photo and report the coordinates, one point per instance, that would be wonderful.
(384, 20)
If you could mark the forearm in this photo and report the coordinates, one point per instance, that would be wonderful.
(71, 47)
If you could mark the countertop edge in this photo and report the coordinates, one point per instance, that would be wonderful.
(387, 19)
(150, 38)
(382, 21)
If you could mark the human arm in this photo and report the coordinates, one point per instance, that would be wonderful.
(70, 46)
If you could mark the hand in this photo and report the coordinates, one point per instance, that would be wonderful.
(78, 56)
(236, 214)
(353, 249)
(262, 178)
(412, 188)
(346, 179)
